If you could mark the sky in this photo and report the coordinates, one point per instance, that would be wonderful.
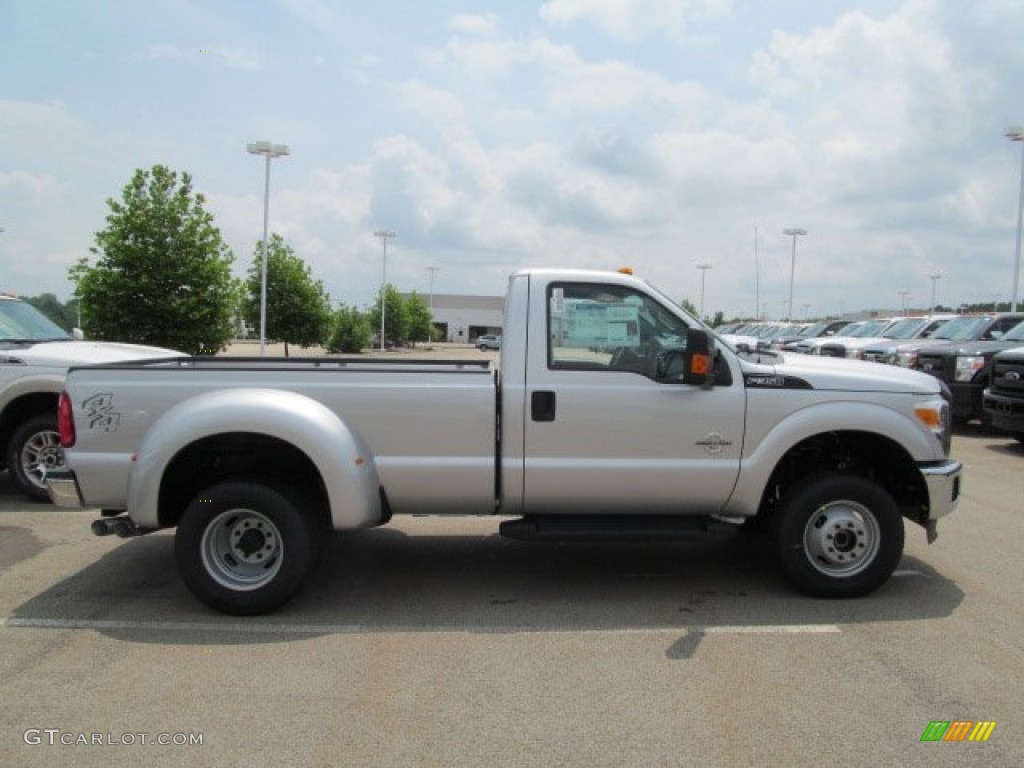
(495, 136)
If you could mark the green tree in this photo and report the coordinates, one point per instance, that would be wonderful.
(352, 332)
(421, 322)
(396, 316)
(162, 274)
(298, 307)
(689, 307)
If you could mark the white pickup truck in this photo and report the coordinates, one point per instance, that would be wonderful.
(612, 413)
(35, 354)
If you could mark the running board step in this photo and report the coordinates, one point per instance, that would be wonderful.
(615, 528)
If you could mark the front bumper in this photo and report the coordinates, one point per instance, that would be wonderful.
(63, 488)
(943, 482)
(1007, 413)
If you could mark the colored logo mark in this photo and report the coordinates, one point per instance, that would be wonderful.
(958, 730)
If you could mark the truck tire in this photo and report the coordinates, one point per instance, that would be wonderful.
(33, 450)
(246, 548)
(839, 535)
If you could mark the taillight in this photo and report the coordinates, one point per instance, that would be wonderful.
(65, 420)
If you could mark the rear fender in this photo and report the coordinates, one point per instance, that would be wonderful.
(340, 455)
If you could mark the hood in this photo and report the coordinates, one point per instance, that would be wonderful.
(64, 354)
(907, 345)
(843, 374)
(1017, 353)
(987, 347)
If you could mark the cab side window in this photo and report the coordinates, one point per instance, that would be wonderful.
(609, 327)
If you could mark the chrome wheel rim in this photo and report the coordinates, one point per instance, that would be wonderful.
(242, 549)
(841, 538)
(40, 454)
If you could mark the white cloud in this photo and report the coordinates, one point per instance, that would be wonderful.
(233, 57)
(633, 19)
(37, 187)
(476, 24)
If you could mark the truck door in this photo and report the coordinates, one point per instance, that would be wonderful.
(602, 434)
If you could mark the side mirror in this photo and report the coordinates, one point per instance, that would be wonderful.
(698, 359)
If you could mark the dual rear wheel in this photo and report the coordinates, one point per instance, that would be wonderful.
(246, 548)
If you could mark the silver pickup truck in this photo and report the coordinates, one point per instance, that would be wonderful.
(612, 413)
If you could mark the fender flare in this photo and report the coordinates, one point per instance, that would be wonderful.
(339, 454)
(757, 467)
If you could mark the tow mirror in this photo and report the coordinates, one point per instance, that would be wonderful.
(698, 360)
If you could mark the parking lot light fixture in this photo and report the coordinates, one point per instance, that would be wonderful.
(1016, 133)
(703, 271)
(793, 232)
(934, 277)
(384, 236)
(269, 151)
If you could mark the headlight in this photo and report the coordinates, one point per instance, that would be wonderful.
(906, 359)
(967, 366)
(934, 415)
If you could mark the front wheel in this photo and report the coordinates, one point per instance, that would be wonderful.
(839, 536)
(246, 548)
(34, 450)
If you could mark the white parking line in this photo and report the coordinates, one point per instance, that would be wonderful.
(14, 622)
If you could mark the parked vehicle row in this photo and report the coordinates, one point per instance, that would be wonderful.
(777, 335)
(959, 350)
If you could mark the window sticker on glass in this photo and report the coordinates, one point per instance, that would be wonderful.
(599, 326)
(558, 301)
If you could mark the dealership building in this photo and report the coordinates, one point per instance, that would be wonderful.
(464, 318)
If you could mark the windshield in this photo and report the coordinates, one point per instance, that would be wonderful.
(813, 330)
(20, 321)
(961, 328)
(905, 329)
(1015, 334)
(872, 328)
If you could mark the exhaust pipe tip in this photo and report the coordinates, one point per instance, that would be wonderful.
(101, 527)
(120, 526)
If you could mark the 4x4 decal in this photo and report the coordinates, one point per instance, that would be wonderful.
(100, 413)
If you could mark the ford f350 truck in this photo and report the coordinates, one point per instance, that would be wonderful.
(612, 413)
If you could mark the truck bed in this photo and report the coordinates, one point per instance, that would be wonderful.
(430, 425)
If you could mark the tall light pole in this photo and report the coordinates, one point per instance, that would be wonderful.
(903, 295)
(269, 151)
(703, 271)
(934, 277)
(384, 235)
(1016, 133)
(433, 271)
(793, 232)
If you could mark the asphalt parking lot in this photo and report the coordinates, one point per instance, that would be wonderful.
(434, 642)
